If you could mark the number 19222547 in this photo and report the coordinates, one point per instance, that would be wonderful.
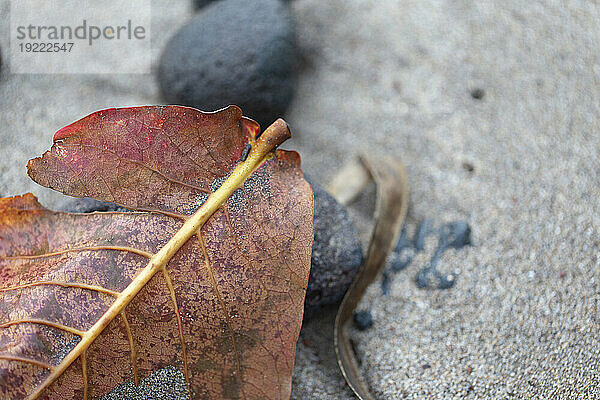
(46, 47)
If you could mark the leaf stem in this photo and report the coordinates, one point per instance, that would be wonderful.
(268, 141)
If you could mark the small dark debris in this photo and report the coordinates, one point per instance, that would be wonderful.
(426, 366)
(399, 261)
(430, 278)
(455, 234)
(198, 4)
(403, 242)
(422, 277)
(446, 281)
(385, 284)
(477, 93)
(246, 152)
(403, 253)
(88, 205)
(539, 82)
(468, 166)
(363, 320)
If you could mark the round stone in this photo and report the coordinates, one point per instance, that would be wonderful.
(336, 255)
(233, 52)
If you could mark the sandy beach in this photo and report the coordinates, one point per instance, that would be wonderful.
(494, 108)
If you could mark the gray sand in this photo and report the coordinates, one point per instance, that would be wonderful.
(395, 76)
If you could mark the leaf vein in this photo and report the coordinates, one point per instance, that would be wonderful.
(26, 360)
(132, 351)
(85, 248)
(94, 288)
(215, 286)
(179, 324)
(56, 325)
(154, 170)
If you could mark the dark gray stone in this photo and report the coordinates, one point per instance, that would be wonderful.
(198, 4)
(233, 52)
(337, 254)
(363, 320)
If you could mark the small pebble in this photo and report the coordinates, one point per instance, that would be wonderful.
(363, 320)
(446, 281)
(430, 278)
(469, 167)
(477, 93)
(454, 234)
(423, 279)
(403, 253)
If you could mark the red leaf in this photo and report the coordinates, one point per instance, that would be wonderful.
(225, 305)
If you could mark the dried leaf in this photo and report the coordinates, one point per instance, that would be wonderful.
(208, 276)
(390, 211)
